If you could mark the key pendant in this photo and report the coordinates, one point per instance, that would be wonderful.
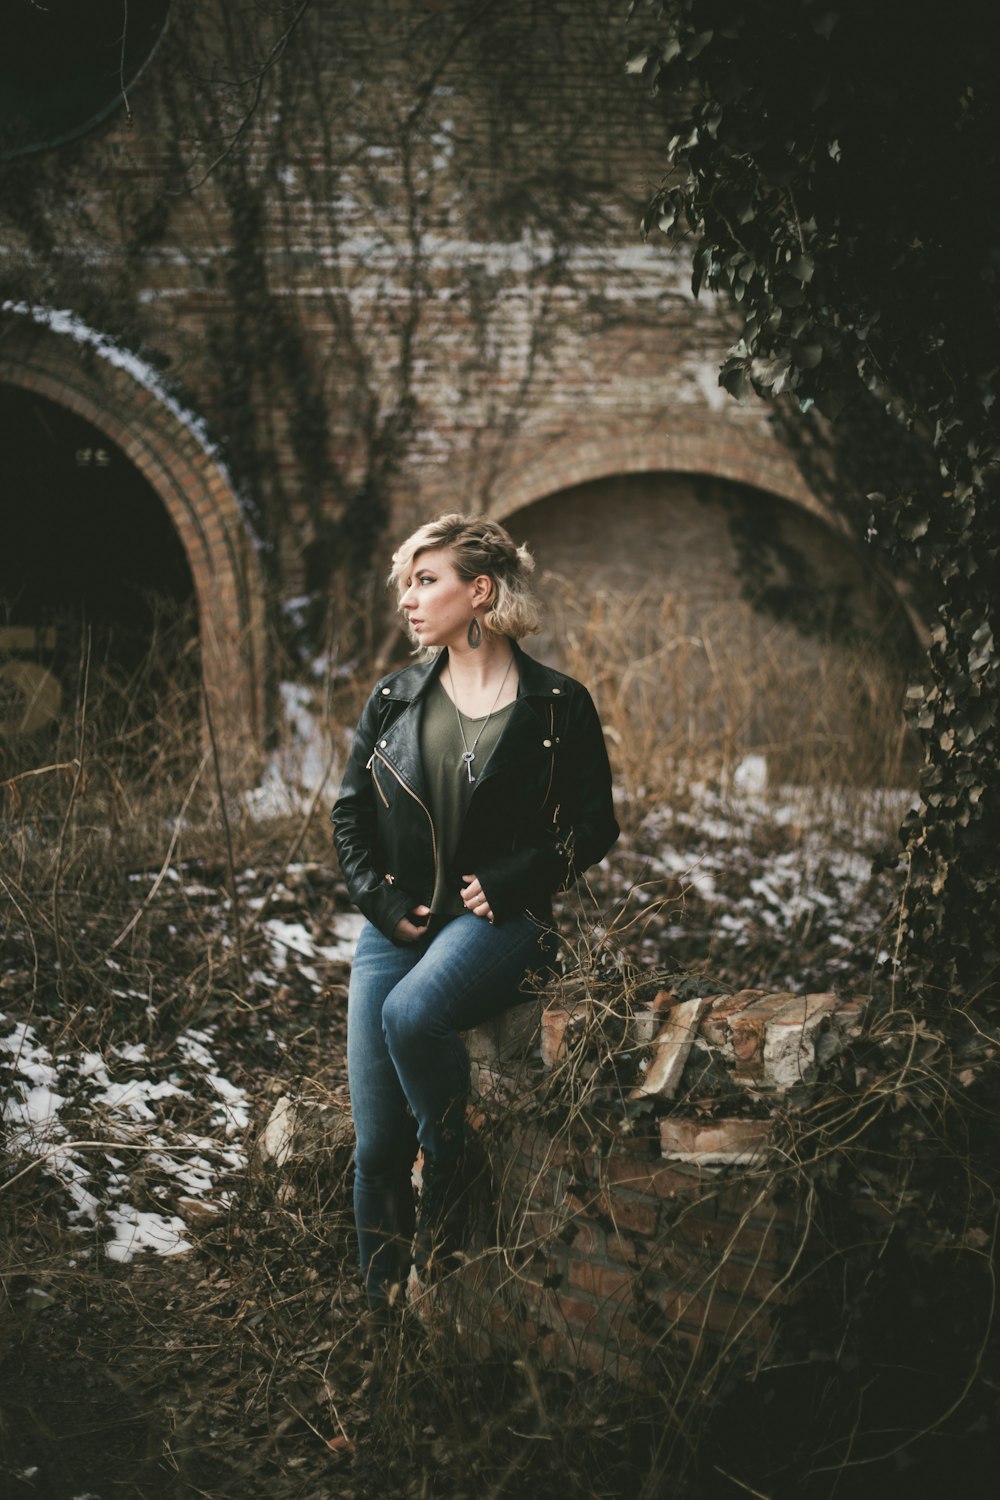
(469, 756)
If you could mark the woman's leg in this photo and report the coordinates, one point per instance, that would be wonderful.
(468, 973)
(385, 1132)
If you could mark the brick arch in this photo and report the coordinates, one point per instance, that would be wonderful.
(123, 399)
(689, 443)
(682, 442)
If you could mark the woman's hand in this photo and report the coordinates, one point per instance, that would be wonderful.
(409, 929)
(475, 898)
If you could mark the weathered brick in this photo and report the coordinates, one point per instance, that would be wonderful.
(716, 1021)
(538, 1146)
(573, 1313)
(671, 1047)
(588, 1238)
(600, 1281)
(748, 1031)
(757, 1281)
(737, 1139)
(626, 1251)
(639, 1215)
(715, 1314)
(697, 1230)
(790, 1039)
(684, 1182)
(557, 1021)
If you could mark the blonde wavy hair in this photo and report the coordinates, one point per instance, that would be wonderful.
(478, 547)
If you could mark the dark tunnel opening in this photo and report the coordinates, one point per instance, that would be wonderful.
(91, 571)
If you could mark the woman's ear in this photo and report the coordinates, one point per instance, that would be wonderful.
(482, 591)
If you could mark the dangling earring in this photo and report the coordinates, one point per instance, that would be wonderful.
(475, 634)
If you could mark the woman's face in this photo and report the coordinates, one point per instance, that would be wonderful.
(439, 605)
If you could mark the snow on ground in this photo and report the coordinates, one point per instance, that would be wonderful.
(294, 938)
(135, 1145)
(304, 765)
(91, 1121)
(744, 867)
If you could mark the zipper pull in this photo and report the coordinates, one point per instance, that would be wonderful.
(371, 761)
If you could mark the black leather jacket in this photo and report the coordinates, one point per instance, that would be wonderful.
(540, 812)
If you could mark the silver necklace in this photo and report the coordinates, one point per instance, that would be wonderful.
(469, 753)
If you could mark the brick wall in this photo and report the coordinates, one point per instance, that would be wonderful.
(629, 1240)
(616, 1259)
(371, 292)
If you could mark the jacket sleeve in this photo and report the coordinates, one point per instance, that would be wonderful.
(582, 829)
(355, 839)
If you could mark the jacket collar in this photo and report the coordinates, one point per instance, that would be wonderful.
(534, 680)
(525, 733)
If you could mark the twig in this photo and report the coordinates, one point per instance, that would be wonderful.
(121, 63)
(747, 1488)
(166, 858)
(59, 765)
(61, 851)
(234, 900)
(258, 81)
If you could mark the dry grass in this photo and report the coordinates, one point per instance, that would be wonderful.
(686, 699)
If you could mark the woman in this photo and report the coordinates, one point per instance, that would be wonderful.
(478, 784)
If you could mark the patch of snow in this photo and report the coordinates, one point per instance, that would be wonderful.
(303, 765)
(751, 774)
(87, 1130)
(133, 1231)
(778, 865)
(292, 938)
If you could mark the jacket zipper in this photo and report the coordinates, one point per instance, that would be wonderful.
(406, 788)
(371, 767)
(552, 756)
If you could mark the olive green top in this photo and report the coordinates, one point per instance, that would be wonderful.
(447, 779)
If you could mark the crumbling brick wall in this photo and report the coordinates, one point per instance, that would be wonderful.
(626, 1239)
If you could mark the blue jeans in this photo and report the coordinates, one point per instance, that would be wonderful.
(407, 1066)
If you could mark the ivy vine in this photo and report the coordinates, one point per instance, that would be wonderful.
(835, 168)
